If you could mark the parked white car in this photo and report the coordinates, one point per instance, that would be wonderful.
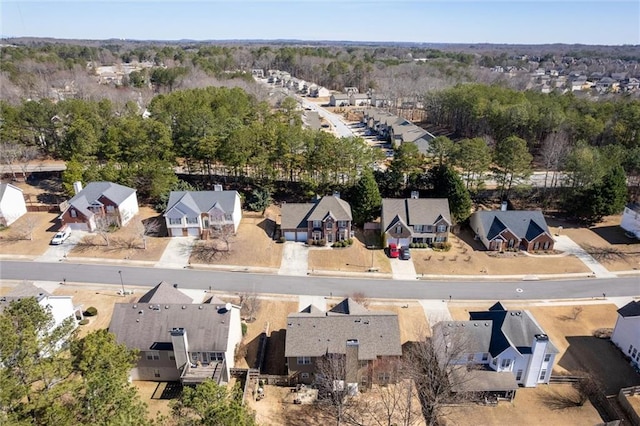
(61, 236)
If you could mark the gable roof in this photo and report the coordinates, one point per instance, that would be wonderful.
(312, 332)
(510, 328)
(165, 293)
(296, 215)
(527, 224)
(202, 201)
(147, 326)
(631, 309)
(414, 211)
(94, 190)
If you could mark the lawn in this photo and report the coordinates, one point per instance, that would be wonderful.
(413, 324)
(355, 258)
(15, 239)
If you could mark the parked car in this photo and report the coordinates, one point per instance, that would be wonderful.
(393, 250)
(61, 236)
(405, 254)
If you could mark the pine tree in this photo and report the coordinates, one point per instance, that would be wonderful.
(614, 190)
(366, 199)
(445, 182)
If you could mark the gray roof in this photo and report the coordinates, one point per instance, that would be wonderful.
(414, 211)
(201, 201)
(523, 223)
(315, 333)
(165, 293)
(634, 207)
(296, 215)
(94, 190)
(511, 328)
(313, 120)
(146, 326)
(474, 336)
(22, 291)
(631, 309)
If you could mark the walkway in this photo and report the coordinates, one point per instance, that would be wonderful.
(177, 253)
(435, 311)
(566, 244)
(295, 259)
(403, 269)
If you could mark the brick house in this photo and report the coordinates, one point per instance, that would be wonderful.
(328, 219)
(512, 229)
(415, 220)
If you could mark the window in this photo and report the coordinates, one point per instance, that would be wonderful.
(153, 355)
(384, 377)
(73, 213)
(418, 228)
(329, 225)
(192, 221)
(304, 360)
(546, 245)
(194, 356)
(398, 229)
(543, 373)
(547, 357)
(216, 356)
(630, 347)
(110, 209)
(506, 363)
(228, 217)
(519, 375)
(442, 228)
(485, 356)
(512, 243)
(441, 239)
(635, 351)
(317, 224)
(342, 224)
(536, 245)
(175, 221)
(172, 356)
(304, 375)
(156, 372)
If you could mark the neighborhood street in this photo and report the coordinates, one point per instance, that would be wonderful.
(320, 286)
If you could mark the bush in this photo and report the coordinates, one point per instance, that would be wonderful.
(446, 246)
(350, 241)
(424, 245)
(244, 328)
(282, 240)
(84, 322)
(91, 312)
(413, 245)
(321, 242)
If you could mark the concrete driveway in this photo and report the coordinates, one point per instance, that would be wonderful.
(59, 253)
(295, 259)
(567, 245)
(403, 269)
(177, 253)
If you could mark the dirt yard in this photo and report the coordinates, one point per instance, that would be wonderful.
(127, 242)
(356, 258)
(40, 226)
(605, 241)
(413, 323)
(251, 246)
(579, 349)
(149, 393)
(468, 257)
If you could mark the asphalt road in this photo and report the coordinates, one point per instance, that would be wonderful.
(320, 286)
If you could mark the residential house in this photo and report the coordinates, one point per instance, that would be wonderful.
(339, 99)
(367, 342)
(99, 204)
(607, 84)
(328, 219)
(359, 99)
(502, 230)
(312, 120)
(12, 205)
(316, 91)
(507, 349)
(630, 221)
(351, 90)
(178, 339)
(415, 220)
(198, 212)
(626, 334)
(61, 307)
(630, 84)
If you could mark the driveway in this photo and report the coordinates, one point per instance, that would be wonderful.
(567, 245)
(177, 253)
(59, 253)
(295, 259)
(402, 269)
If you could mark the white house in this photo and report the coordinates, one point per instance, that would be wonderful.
(631, 219)
(12, 205)
(502, 341)
(192, 212)
(626, 334)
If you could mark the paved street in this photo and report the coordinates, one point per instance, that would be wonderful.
(322, 286)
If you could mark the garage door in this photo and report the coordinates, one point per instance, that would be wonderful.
(79, 226)
(194, 231)
(290, 236)
(301, 236)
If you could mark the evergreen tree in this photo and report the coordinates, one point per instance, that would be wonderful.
(366, 200)
(444, 182)
(614, 190)
(513, 162)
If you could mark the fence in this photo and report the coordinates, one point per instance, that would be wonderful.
(44, 208)
(626, 405)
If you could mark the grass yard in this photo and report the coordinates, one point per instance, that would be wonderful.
(149, 393)
(355, 258)
(41, 226)
(413, 323)
(251, 246)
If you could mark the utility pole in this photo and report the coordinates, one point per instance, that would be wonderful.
(122, 283)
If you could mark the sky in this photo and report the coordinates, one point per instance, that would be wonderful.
(602, 22)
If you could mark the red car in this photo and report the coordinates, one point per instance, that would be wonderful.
(393, 250)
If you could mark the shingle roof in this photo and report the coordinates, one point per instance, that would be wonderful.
(165, 293)
(23, 291)
(94, 190)
(634, 207)
(314, 333)
(296, 215)
(523, 223)
(414, 211)
(141, 325)
(631, 309)
(202, 201)
(474, 336)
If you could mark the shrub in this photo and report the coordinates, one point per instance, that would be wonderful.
(84, 322)
(424, 245)
(350, 241)
(91, 312)
(412, 245)
(282, 240)
(321, 242)
(244, 328)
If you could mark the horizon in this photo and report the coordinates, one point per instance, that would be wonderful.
(359, 21)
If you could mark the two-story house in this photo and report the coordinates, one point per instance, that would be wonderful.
(512, 229)
(630, 221)
(99, 204)
(499, 341)
(415, 220)
(195, 212)
(626, 334)
(178, 339)
(367, 343)
(328, 219)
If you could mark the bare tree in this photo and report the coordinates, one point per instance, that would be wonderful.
(104, 227)
(26, 227)
(334, 397)
(9, 154)
(223, 233)
(144, 228)
(249, 305)
(394, 404)
(554, 150)
(26, 154)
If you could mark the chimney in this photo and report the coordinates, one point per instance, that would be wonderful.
(536, 360)
(217, 187)
(503, 206)
(180, 346)
(415, 195)
(77, 187)
(352, 364)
